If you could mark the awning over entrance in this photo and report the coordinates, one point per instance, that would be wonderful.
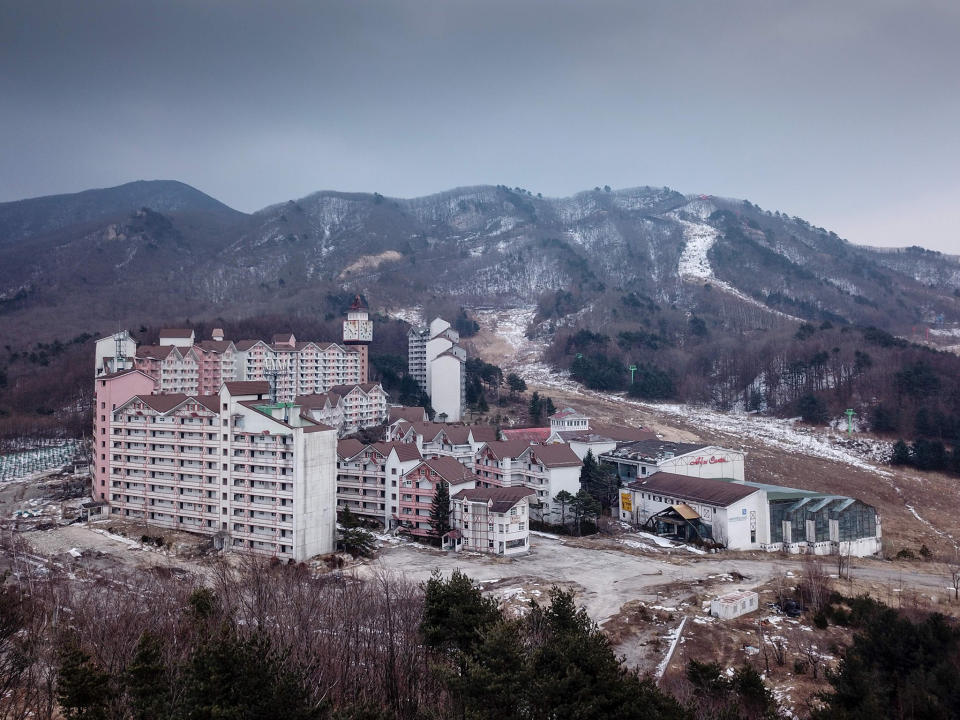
(680, 521)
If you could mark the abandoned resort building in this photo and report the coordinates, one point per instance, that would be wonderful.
(698, 493)
(436, 361)
(246, 442)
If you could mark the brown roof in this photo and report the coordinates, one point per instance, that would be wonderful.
(456, 434)
(316, 427)
(217, 346)
(176, 332)
(316, 400)
(349, 448)
(555, 455)
(507, 448)
(410, 414)
(164, 402)
(158, 352)
(405, 451)
(248, 387)
(484, 433)
(528, 435)
(282, 337)
(450, 470)
(429, 430)
(501, 498)
(699, 489)
(246, 344)
(210, 402)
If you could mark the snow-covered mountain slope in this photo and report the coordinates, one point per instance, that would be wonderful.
(482, 245)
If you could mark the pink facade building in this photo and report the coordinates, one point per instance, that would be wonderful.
(369, 476)
(419, 486)
(180, 363)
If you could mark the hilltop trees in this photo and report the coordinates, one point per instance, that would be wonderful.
(762, 363)
(896, 668)
(554, 662)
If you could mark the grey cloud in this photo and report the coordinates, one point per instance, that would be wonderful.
(843, 113)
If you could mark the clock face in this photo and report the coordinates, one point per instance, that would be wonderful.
(361, 330)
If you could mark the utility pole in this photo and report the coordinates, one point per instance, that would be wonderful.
(849, 413)
(633, 369)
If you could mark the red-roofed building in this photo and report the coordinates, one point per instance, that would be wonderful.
(545, 469)
(527, 435)
(443, 439)
(418, 487)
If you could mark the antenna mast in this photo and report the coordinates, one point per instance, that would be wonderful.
(119, 355)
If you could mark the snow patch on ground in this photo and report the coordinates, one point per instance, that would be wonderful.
(929, 524)
(695, 263)
(673, 637)
(413, 315)
(946, 332)
(649, 541)
(693, 260)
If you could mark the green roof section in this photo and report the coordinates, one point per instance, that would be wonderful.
(780, 492)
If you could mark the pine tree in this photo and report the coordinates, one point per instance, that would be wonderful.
(492, 679)
(549, 408)
(148, 680)
(589, 470)
(584, 506)
(440, 510)
(563, 498)
(901, 454)
(83, 689)
(229, 676)
(536, 408)
(455, 613)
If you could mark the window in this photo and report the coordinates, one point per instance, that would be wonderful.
(753, 536)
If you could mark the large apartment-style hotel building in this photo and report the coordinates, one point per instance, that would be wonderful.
(180, 363)
(179, 443)
(253, 473)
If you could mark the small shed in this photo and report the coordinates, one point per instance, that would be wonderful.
(735, 604)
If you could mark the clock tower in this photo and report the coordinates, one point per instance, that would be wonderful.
(358, 331)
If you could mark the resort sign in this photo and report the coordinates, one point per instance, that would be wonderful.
(712, 460)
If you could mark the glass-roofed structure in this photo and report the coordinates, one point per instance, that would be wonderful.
(801, 519)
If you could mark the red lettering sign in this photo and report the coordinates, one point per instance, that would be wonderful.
(712, 460)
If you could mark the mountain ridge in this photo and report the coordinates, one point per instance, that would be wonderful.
(113, 250)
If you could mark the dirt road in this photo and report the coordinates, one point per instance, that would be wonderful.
(605, 576)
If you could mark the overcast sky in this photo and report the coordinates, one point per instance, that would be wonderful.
(845, 113)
